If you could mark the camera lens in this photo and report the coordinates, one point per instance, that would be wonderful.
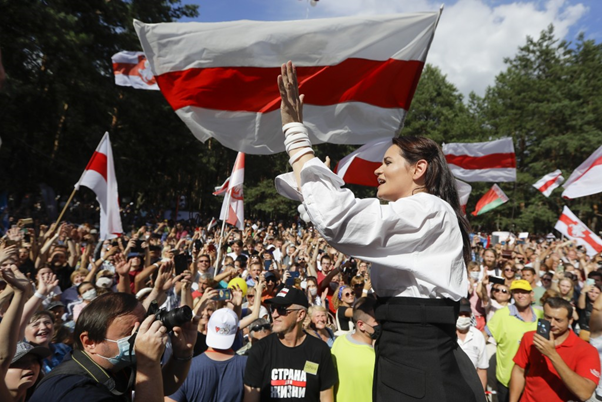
(175, 317)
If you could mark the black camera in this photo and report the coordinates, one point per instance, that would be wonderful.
(172, 318)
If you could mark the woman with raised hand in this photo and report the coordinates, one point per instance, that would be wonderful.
(417, 243)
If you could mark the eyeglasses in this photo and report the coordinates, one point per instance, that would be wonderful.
(270, 280)
(347, 294)
(358, 285)
(262, 327)
(546, 279)
(282, 310)
(499, 290)
(250, 296)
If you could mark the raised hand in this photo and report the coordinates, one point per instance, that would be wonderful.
(122, 267)
(8, 252)
(15, 278)
(291, 106)
(46, 283)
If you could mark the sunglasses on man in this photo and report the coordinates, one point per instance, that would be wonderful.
(282, 310)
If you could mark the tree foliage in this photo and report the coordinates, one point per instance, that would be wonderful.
(60, 98)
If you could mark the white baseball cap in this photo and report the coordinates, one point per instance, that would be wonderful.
(222, 329)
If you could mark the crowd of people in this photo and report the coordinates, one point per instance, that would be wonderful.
(282, 279)
(362, 301)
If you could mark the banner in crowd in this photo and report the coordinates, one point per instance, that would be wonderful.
(99, 177)
(585, 180)
(492, 199)
(131, 69)
(549, 182)
(233, 211)
(570, 226)
(482, 161)
(358, 75)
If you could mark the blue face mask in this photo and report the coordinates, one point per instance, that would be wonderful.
(125, 357)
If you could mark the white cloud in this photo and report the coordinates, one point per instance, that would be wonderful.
(473, 37)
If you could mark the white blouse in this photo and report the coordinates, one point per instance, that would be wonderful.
(414, 244)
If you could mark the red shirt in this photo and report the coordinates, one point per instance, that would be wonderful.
(542, 381)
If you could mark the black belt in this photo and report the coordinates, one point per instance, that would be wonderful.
(417, 310)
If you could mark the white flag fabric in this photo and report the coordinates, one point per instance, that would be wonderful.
(131, 69)
(570, 226)
(233, 210)
(99, 177)
(549, 182)
(585, 180)
(464, 190)
(220, 190)
(358, 74)
(482, 161)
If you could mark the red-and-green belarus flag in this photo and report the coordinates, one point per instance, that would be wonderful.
(492, 199)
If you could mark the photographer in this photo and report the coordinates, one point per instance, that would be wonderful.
(105, 367)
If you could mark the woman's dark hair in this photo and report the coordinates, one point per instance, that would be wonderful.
(96, 318)
(438, 179)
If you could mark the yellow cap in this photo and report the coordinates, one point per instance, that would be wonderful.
(521, 284)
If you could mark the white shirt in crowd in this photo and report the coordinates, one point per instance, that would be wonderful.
(414, 244)
(474, 346)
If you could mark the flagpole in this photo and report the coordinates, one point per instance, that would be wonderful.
(221, 235)
(65, 208)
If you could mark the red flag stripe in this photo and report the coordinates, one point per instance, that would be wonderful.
(386, 84)
(361, 171)
(548, 184)
(490, 161)
(98, 163)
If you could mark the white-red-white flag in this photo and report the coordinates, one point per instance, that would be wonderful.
(482, 161)
(211, 224)
(570, 226)
(131, 69)
(233, 210)
(549, 182)
(220, 190)
(358, 75)
(585, 180)
(358, 168)
(464, 190)
(99, 177)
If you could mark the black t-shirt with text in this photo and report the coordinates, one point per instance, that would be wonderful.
(290, 374)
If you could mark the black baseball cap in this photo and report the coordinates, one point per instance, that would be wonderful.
(24, 348)
(287, 296)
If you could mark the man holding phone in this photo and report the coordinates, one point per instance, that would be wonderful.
(557, 365)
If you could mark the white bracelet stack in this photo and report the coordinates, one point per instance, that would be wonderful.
(296, 136)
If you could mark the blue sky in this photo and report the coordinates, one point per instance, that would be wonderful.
(473, 36)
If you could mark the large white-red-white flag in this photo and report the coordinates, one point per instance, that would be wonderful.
(233, 211)
(358, 75)
(358, 168)
(131, 69)
(99, 177)
(549, 182)
(585, 180)
(482, 161)
(570, 226)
